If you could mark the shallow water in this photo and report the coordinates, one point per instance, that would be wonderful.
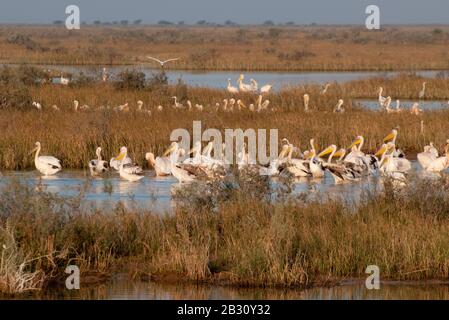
(121, 288)
(155, 193)
(218, 79)
(406, 105)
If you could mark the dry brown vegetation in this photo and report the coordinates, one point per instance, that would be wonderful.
(233, 48)
(233, 236)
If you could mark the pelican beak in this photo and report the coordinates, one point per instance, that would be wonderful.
(325, 152)
(355, 143)
(381, 151)
(169, 150)
(120, 156)
(390, 137)
(338, 154)
(194, 149)
(310, 155)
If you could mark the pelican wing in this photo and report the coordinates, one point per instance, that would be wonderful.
(155, 59)
(51, 162)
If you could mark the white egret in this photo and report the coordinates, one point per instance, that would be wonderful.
(232, 89)
(162, 62)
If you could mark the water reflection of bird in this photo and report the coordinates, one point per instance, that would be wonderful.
(98, 166)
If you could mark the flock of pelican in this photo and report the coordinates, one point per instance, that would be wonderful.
(252, 87)
(344, 165)
(385, 103)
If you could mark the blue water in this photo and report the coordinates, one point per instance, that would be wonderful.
(155, 193)
(218, 79)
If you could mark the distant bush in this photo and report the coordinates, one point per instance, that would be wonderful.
(15, 96)
(25, 41)
(81, 80)
(26, 75)
(130, 79)
(158, 80)
(296, 55)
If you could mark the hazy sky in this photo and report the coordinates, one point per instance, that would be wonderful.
(241, 11)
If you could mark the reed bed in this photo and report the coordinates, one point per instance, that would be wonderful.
(272, 48)
(245, 240)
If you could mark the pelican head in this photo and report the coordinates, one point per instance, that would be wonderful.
(340, 153)
(122, 154)
(357, 141)
(173, 147)
(195, 148)
(382, 150)
(285, 148)
(392, 136)
(37, 146)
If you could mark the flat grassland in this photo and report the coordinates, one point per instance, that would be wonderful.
(321, 48)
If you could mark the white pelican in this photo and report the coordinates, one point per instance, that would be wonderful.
(242, 158)
(122, 157)
(196, 159)
(381, 98)
(47, 165)
(184, 173)
(232, 89)
(273, 167)
(441, 163)
(162, 165)
(225, 104)
(415, 109)
(266, 88)
(123, 107)
(231, 104)
(398, 106)
(341, 171)
(422, 93)
(325, 88)
(389, 163)
(358, 157)
(297, 167)
(189, 105)
(391, 137)
(125, 174)
(387, 105)
(104, 75)
(243, 86)
(338, 108)
(254, 85)
(64, 81)
(139, 108)
(98, 166)
(37, 105)
(241, 105)
(177, 104)
(306, 99)
(162, 62)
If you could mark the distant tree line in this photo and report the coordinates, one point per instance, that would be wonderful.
(227, 23)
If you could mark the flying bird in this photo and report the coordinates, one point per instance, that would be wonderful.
(162, 63)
